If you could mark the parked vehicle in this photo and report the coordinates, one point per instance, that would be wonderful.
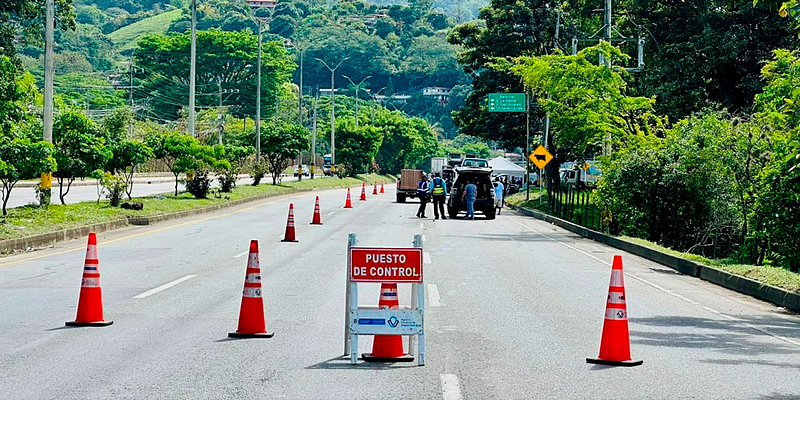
(326, 164)
(480, 177)
(573, 174)
(438, 164)
(407, 184)
(475, 162)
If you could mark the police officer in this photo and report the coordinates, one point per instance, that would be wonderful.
(422, 194)
(439, 193)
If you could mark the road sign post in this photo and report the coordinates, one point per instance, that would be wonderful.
(384, 265)
(540, 157)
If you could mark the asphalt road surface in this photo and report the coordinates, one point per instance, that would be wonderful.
(515, 306)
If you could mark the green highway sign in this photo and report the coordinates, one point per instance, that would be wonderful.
(506, 102)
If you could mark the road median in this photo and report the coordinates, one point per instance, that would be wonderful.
(32, 227)
(741, 284)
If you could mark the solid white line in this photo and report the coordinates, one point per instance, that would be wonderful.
(433, 295)
(163, 287)
(239, 255)
(667, 291)
(426, 258)
(451, 390)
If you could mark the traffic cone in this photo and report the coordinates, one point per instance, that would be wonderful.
(363, 193)
(348, 204)
(288, 236)
(252, 323)
(382, 188)
(317, 217)
(615, 347)
(90, 302)
(387, 348)
(374, 189)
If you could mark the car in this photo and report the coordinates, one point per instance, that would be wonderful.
(480, 177)
(475, 162)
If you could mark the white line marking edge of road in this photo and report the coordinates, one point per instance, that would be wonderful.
(433, 295)
(451, 389)
(163, 287)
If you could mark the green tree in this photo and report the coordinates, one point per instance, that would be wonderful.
(280, 142)
(80, 149)
(176, 150)
(26, 18)
(127, 156)
(25, 160)
(356, 146)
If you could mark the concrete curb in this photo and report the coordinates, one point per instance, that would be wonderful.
(48, 239)
(741, 284)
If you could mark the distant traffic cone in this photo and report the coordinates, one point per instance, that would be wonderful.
(288, 236)
(363, 193)
(382, 187)
(348, 204)
(374, 189)
(615, 347)
(252, 323)
(317, 217)
(90, 302)
(387, 348)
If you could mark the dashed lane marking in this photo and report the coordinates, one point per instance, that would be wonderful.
(330, 213)
(163, 287)
(426, 257)
(451, 390)
(239, 255)
(421, 225)
(433, 296)
(667, 291)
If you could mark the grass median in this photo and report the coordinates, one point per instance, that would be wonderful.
(775, 276)
(32, 220)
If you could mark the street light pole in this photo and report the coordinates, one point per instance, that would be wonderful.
(333, 107)
(358, 87)
(375, 99)
(258, 98)
(192, 69)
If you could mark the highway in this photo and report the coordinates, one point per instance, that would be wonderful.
(515, 306)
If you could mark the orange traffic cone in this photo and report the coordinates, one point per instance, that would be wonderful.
(615, 347)
(363, 193)
(288, 236)
(382, 188)
(387, 348)
(317, 217)
(348, 204)
(252, 323)
(374, 189)
(90, 302)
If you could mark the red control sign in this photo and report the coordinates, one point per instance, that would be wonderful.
(385, 265)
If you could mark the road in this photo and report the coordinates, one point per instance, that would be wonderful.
(517, 307)
(21, 196)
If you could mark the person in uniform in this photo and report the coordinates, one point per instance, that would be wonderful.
(422, 194)
(439, 193)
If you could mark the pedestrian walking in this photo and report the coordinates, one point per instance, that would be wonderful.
(422, 194)
(469, 195)
(499, 195)
(438, 193)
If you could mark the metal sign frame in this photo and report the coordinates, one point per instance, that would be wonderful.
(370, 320)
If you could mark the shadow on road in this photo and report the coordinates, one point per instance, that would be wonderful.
(719, 334)
(343, 362)
(506, 237)
(779, 396)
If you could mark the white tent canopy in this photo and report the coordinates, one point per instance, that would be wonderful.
(503, 166)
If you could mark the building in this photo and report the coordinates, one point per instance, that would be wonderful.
(441, 94)
(261, 4)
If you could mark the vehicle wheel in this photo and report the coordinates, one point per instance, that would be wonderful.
(401, 198)
(490, 214)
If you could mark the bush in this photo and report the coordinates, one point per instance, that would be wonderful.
(198, 183)
(258, 172)
(227, 178)
(114, 186)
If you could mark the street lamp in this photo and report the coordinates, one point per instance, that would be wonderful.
(374, 97)
(358, 87)
(259, 21)
(333, 107)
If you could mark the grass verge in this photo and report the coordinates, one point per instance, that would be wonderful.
(32, 220)
(776, 276)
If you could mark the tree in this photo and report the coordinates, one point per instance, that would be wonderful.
(176, 150)
(127, 156)
(25, 160)
(356, 146)
(280, 143)
(26, 18)
(79, 149)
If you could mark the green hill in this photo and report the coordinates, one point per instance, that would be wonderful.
(126, 37)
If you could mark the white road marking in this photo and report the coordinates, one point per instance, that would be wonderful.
(330, 213)
(421, 225)
(426, 257)
(163, 287)
(424, 238)
(667, 291)
(451, 390)
(239, 255)
(433, 295)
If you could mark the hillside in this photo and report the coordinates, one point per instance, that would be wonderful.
(126, 37)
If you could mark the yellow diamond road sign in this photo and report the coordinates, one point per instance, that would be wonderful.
(540, 157)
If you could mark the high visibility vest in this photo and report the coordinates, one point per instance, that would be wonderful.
(422, 187)
(438, 187)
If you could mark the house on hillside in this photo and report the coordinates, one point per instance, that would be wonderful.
(441, 94)
(262, 4)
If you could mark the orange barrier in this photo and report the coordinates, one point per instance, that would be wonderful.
(90, 303)
(252, 323)
(347, 203)
(374, 189)
(317, 220)
(363, 193)
(289, 236)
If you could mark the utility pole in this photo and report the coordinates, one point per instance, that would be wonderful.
(258, 97)
(130, 93)
(314, 137)
(527, 147)
(219, 112)
(333, 107)
(192, 69)
(358, 87)
(49, 71)
(300, 103)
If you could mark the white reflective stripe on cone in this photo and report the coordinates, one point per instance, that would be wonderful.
(252, 278)
(91, 252)
(252, 262)
(616, 314)
(616, 297)
(617, 280)
(252, 293)
(90, 282)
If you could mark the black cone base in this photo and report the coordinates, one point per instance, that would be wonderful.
(289, 241)
(614, 363)
(372, 359)
(250, 335)
(88, 324)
